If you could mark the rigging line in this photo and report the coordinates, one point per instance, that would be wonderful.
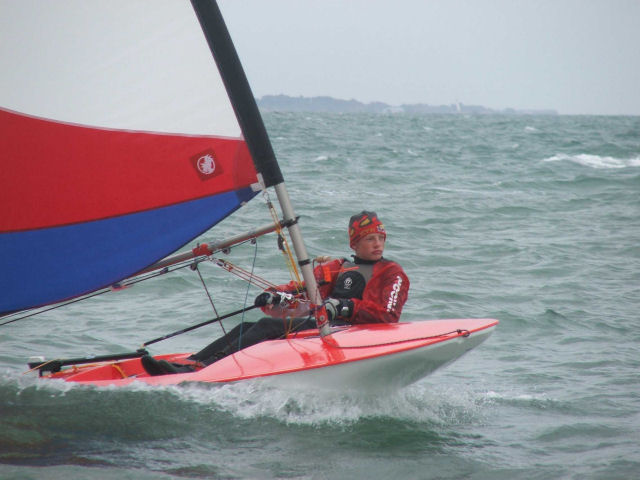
(123, 283)
(290, 329)
(282, 241)
(114, 287)
(202, 324)
(215, 311)
(246, 295)
(245, 275)
(60, 305)
(461, 332)
(38, 367)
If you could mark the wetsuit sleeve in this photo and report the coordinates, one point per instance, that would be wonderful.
(383, 298)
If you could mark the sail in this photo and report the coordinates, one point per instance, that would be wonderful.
(119, 143)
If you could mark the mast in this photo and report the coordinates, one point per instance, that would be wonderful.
(253, 129)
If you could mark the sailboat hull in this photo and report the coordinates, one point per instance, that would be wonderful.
(360, 357)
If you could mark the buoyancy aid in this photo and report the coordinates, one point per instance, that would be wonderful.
(378, 291)
(352, 279)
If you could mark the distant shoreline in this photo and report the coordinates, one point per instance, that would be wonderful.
(285, 103)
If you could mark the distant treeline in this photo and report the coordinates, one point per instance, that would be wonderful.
(285, 103)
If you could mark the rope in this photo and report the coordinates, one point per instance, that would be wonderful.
(204, 285)
(115, 287)
(117, 368)
(245, 275)
(282, 242)
(246, 295)
(463, 332)
(43, 364)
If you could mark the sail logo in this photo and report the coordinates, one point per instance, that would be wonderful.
(206, 165)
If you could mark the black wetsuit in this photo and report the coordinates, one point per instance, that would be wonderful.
(249, 333)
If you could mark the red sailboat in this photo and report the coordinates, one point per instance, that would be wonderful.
(137, 136)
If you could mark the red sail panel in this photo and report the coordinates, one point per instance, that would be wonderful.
(58, 174)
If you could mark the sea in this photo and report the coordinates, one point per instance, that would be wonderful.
(531, 220)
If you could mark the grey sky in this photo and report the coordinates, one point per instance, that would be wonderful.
(577, 57)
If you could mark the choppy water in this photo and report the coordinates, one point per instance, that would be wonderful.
(531, 220)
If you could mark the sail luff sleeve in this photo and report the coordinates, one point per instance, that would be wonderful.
(250, 121)
(238, 89)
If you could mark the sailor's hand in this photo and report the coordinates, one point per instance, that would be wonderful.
(267, 298)
(338, 307)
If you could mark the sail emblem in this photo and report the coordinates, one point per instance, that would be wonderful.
(206, 165)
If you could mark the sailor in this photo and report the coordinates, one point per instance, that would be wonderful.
(367, 289)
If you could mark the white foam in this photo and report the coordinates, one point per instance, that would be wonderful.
(424, 402)
(253, 399)
(596, 161)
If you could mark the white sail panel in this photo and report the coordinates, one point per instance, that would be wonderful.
(125, 64)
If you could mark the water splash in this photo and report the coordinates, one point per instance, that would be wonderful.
(421, 403)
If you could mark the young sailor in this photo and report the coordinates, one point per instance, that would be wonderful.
(368, 289)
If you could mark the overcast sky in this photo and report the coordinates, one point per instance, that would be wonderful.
(573, 56)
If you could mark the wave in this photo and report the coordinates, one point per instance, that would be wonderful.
(436, 405)
(596, 161)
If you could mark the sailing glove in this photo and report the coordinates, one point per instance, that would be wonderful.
(267, 298)
(338, 307)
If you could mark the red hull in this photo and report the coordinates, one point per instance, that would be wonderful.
(350, 352)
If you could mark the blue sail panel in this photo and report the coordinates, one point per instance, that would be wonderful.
(48, 265)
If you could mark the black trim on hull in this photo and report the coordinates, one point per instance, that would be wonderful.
(54, 366)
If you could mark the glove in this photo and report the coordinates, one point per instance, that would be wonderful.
(267, 298)
(338, 307)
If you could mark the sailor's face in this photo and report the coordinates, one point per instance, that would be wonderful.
(370, 247)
